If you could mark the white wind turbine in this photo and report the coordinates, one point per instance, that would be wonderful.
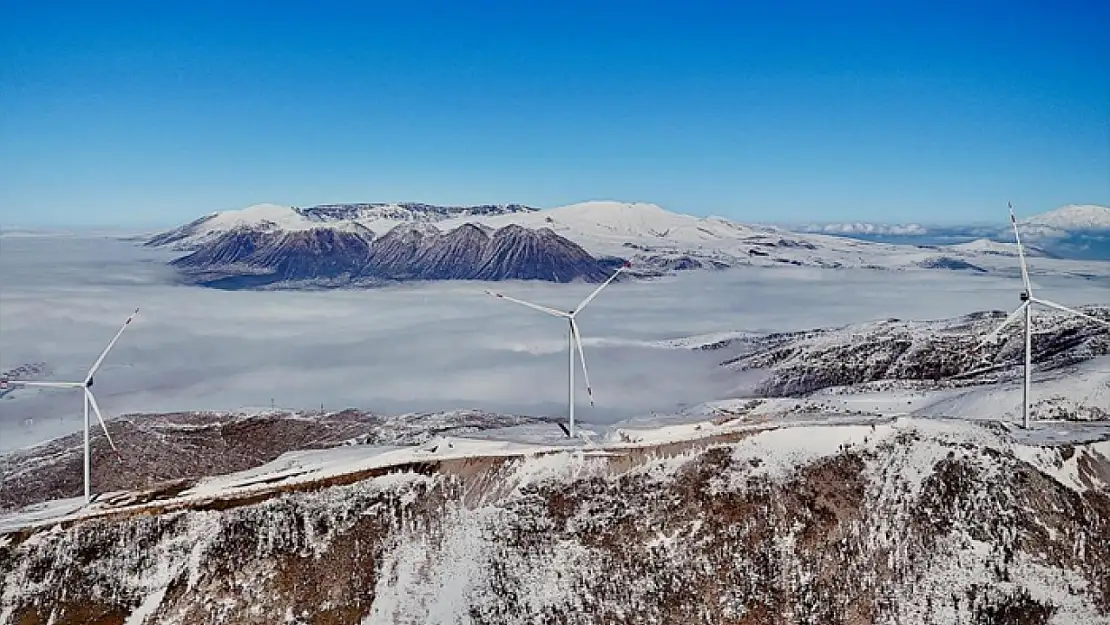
(1026, 311)
(89, 400)
(574, 339)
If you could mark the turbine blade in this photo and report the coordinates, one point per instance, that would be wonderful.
(1063, 308)
(993, 336)
(103, 354)
(44, 384)
(1021, 252)
(550, 311)
(99, 417)
(591, 296)
(582, 359)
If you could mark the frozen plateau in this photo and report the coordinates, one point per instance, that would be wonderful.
(790, 427)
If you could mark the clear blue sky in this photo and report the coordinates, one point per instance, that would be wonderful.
(136, 114)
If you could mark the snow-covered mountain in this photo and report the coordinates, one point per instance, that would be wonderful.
(1074, 218)
(925, 354)
(169, 448)
(379, 218)
(1073, 231)
(350, 254)
(908, 521)
(268, 244)
(987, 246)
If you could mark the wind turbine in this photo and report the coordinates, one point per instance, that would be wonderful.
(89, 400)
(1026, 311)
(574, 339)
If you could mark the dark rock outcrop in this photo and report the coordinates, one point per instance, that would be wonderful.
(250, 258)
(517, 253)
(407, 211)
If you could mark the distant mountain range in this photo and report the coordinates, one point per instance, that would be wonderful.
(1074, 231)
(274, 246)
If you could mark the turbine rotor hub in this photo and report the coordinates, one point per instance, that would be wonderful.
(1025, 296)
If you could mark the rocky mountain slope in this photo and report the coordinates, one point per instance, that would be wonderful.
(375, 217)
(268, 244)
(935, 353)
(160, 449)
(908, 521)
(246, 257)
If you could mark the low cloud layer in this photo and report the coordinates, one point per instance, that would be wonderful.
(416, 346)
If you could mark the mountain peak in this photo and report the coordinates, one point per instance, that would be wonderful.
(1074, 217)
(256, 214)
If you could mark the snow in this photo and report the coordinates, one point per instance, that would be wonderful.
(41, 512)
(147, 607)
(259, 214)
(704, 340)
(1050, 460)
(1074, 217)
(265, 217)
(604, 226)
(988, 246)
(1086, 384)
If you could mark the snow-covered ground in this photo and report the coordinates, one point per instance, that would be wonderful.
(772, 423)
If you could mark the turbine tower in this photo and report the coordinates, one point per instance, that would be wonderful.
(1026, 311)
(574, 340)
(89, 400)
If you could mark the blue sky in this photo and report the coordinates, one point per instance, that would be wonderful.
(143, 115)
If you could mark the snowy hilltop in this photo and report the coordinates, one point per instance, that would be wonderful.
(905, 521)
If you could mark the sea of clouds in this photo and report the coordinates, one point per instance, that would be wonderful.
(415, 347)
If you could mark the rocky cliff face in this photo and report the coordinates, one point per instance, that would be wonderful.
(244, 257)
(909, 522)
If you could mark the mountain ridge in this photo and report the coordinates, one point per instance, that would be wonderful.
(322, 256)
(653, 239)
(894, 521)
(1077, 231)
